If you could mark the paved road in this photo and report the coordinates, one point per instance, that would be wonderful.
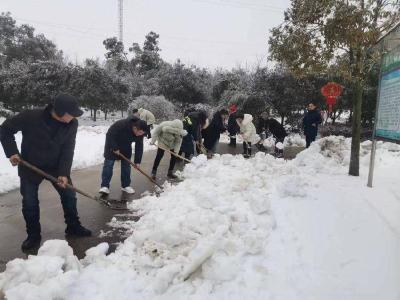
(93, 215)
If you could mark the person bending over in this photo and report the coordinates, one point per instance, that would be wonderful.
(119, 139)
(169, 135)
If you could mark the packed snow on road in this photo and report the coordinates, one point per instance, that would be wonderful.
(261, 228)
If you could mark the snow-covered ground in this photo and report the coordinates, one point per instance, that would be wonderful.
(261, 228)
(88, 152)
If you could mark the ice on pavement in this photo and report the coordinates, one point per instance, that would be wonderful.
(261, 228)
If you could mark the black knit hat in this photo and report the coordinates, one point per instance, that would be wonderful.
(64, 103)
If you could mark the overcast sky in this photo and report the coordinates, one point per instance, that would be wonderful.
(208, 33)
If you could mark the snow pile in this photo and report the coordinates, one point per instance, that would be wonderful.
(206, 229)
(269, 144)
(89, 150)
(260, 228)
(45, 276)
(294, 140)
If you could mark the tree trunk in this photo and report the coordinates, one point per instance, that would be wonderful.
(122, 113)
(354, 168)
(282, 119)
(95, 115)
(105, 115)
(91, 113)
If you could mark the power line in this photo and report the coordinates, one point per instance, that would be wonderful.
(253, 4)
(90, 34)
(238, 4)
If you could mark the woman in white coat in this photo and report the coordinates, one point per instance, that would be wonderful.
(248, 132)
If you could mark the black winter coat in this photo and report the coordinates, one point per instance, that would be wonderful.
(213, 132)
(312, 117)
(192, 125)
(276, 129)
(233, 127)
(120, 137)
(52, 153)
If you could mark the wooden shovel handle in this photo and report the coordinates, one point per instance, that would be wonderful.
(53, 179)
(173, 153)
(138, 169)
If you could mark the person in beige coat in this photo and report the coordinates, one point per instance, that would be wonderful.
(248, 132)
(147, 116)
(169, 135)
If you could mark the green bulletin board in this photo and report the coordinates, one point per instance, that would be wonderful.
(388, 125)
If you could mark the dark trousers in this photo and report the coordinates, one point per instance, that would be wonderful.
(107, 173)
(246, 148)
(148, 132)
(159, 156)
(310, 139)
(30, 205)
(213, 148)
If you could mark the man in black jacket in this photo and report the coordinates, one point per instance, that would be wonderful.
(276, 129)
(48, 142)
(119, 138)
(311, 120)
(213, 132)
(233, 127)
(193, 123)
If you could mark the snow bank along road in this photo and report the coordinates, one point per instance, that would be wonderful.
(260, 228)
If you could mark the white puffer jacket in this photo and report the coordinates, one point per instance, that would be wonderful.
(169, 135)
(248, 130)
(146, 116)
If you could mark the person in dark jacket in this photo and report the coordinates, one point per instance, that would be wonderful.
(213, 132)
(193, 123)
(48, 142)
(119, 139)
(233, 127)
(276, 129)
(311, 120)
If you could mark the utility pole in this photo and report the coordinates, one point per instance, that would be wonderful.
(121, 20)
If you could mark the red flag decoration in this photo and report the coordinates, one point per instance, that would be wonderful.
(331, 91)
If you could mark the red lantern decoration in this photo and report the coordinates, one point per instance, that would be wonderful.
(331, 91)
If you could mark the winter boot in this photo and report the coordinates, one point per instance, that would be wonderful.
(171, 175)
(232, 142)
(246, 150)
(31, 242)
(77, 230)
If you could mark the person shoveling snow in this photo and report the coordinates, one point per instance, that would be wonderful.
(273, 230)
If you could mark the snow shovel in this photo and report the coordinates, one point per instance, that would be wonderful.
(138, 169)
(174, 154)
(107, 203)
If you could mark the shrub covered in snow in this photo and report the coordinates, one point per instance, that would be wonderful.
(158, 105)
